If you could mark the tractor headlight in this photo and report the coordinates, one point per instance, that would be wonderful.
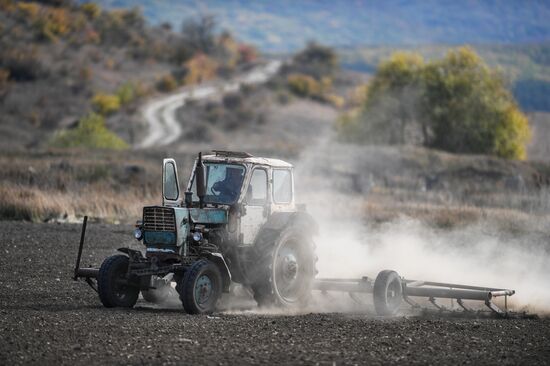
(138, 234)
(197, 236)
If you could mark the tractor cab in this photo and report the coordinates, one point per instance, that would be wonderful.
(248, 188)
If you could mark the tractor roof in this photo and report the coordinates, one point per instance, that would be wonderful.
(243, 157)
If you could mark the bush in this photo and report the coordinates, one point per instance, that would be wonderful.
(23, 64)
(167, 83)
(316, 60)
(126, 93)
(200, 68)
(303, 85)
(106, 104)
(306, 86)
(90, 133)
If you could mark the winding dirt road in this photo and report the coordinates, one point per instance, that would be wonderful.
(160, 113)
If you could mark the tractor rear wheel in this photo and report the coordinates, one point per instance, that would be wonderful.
(387, 293)
(113, 287)
(200, 288)
(285, 270)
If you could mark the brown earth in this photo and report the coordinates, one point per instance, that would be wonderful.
(46, 318)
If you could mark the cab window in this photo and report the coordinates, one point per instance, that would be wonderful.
(282, 186)
(256, 194)
(170, 182)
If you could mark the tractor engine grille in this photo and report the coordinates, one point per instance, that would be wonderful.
(157, 218)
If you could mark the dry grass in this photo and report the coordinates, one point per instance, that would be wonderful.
(63, 186)
(379, 209)
(34, 204)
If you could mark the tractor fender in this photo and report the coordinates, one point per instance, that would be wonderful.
(218, 260)
(280, 220)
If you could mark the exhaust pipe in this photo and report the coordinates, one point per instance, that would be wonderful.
(199, 175)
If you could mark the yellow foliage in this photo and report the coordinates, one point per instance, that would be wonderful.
(512, 134)
(58, 21)
(303, 85)
(358, 95)
(50, 22)
(106, 103)
(336, 100)
(29, 10)
(200, 68)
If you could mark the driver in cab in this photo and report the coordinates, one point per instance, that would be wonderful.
(228, 189)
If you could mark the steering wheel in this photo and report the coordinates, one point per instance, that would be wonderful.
(214, 190)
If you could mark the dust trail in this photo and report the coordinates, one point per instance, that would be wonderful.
(478, 254)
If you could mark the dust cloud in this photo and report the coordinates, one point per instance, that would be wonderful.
(477, 254)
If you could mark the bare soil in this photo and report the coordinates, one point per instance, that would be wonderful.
(46, 318)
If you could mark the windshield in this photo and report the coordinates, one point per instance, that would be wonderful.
(223, 183)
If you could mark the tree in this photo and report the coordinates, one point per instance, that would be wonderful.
(198, 34)
(469, 110)
(316, 61)
(391, 105)
(456, 104)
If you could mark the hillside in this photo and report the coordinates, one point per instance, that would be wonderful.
(285, 25)
(58, 63)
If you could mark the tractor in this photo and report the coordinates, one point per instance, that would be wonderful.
(237, 222)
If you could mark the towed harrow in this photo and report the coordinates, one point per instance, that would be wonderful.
(390, 292)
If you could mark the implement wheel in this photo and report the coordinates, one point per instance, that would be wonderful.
(112, 284)
(200, 288)
(387, 293)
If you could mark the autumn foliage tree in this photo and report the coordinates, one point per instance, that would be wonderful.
(456, 104)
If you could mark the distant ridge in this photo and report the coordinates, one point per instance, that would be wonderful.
(285, 25)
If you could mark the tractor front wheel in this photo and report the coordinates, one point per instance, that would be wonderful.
(200, 288)
(113, 286)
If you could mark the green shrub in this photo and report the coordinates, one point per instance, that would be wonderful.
(91, 133)
(106, 103)
(126, 93)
